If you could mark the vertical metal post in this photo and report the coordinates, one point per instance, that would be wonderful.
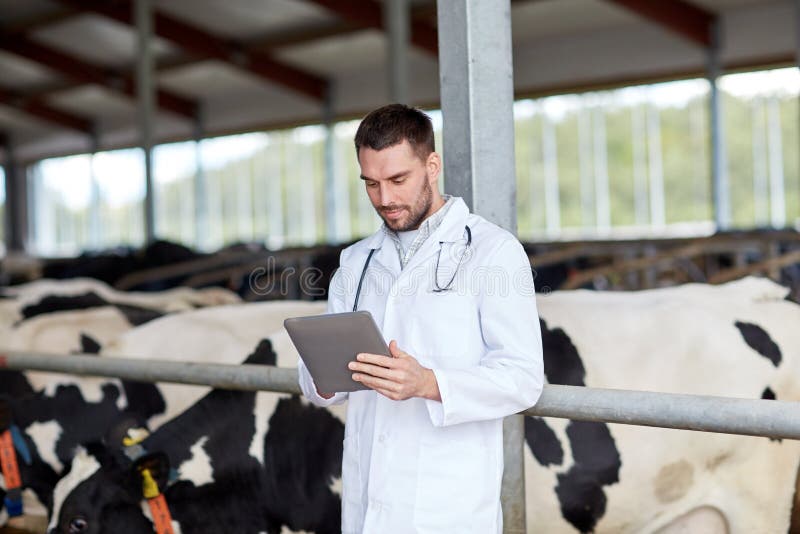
(477, 96)
(94, 201)
(639, 129)
(145, 91)
(777, 197)
(760, 192)
(656, 167)
(602, 202)
(552, 197)
(797, 59)
(332, 232)
(16, 210)
(719, 173)
(584, 163)
(200, 189)
(398, 29)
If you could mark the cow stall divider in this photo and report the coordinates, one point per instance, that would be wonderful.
(752, 417)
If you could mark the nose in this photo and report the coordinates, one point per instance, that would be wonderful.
(386, 194)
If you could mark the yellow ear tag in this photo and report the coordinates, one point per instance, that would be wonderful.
(149, 486)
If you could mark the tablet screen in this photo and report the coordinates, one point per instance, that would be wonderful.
(327, 343)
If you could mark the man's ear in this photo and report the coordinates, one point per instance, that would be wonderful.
(433, 165)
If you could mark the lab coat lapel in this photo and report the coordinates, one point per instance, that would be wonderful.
(451, 230)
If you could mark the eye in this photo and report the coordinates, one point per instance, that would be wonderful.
(370, 183)
(78, 524)
(398, 181)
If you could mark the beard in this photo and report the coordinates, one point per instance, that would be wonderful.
(416, 213)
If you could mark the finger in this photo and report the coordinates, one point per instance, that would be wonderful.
(375, 382)
(374, 370)
(376, 359)
(395, 350)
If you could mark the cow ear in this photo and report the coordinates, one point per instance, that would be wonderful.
(116, 435)
(157, 464)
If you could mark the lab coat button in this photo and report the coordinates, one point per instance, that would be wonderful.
(381, 438)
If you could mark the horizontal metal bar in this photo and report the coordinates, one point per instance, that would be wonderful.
(751, 417)
(242, 377)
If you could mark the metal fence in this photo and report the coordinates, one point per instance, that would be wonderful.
(752, 417)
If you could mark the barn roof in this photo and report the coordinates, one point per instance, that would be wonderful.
(243, 65)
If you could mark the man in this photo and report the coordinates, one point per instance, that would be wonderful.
(423, 447)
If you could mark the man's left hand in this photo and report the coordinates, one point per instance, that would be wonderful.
(398, 377)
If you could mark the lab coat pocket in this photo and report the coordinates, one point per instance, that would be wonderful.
(454, 487)
(352, 487)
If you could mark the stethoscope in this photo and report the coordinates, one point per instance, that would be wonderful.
(438, 289)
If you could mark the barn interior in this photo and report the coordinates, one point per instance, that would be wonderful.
(150, 147)
(654, 144)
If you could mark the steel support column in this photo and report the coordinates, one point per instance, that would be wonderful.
(332, 230)
(200, 190)
(396, 20)
(477, 95)
(145, 92)
(16, 210)
(719, 173)
(94, 203)
(797, 48)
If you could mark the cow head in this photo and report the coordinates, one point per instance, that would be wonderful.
(102, 492)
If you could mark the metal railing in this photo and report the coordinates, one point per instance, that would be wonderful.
(751, 417)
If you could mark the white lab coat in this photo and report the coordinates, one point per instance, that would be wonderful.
(424, 466)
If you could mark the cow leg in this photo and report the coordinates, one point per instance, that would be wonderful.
(794, 525)
(706, 519)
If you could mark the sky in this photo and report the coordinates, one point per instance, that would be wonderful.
(120, 173)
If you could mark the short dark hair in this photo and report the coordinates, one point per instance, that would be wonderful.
(393, 124)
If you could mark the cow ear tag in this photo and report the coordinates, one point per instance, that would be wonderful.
(149, 486)
(157, 467)
(162, 519)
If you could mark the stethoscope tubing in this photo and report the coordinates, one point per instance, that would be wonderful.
(438, 288)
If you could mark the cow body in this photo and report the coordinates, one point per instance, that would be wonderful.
(58, 412)
(221, 486)
(738, 340)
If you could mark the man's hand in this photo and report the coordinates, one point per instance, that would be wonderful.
(398, 377)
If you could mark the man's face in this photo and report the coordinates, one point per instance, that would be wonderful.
(401, 186)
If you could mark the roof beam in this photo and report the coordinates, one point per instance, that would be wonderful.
(83, 71)
(678, 16)
(369, 14)
(41, 110)
(202, 43)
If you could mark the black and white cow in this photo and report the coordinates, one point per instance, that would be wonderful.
(56, 413)
(51, 409)
(220, 484)
(739, 340)
(42, 296)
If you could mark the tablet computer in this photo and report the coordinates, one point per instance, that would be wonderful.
(327, 343)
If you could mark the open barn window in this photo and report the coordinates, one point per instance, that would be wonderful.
(87, 202)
